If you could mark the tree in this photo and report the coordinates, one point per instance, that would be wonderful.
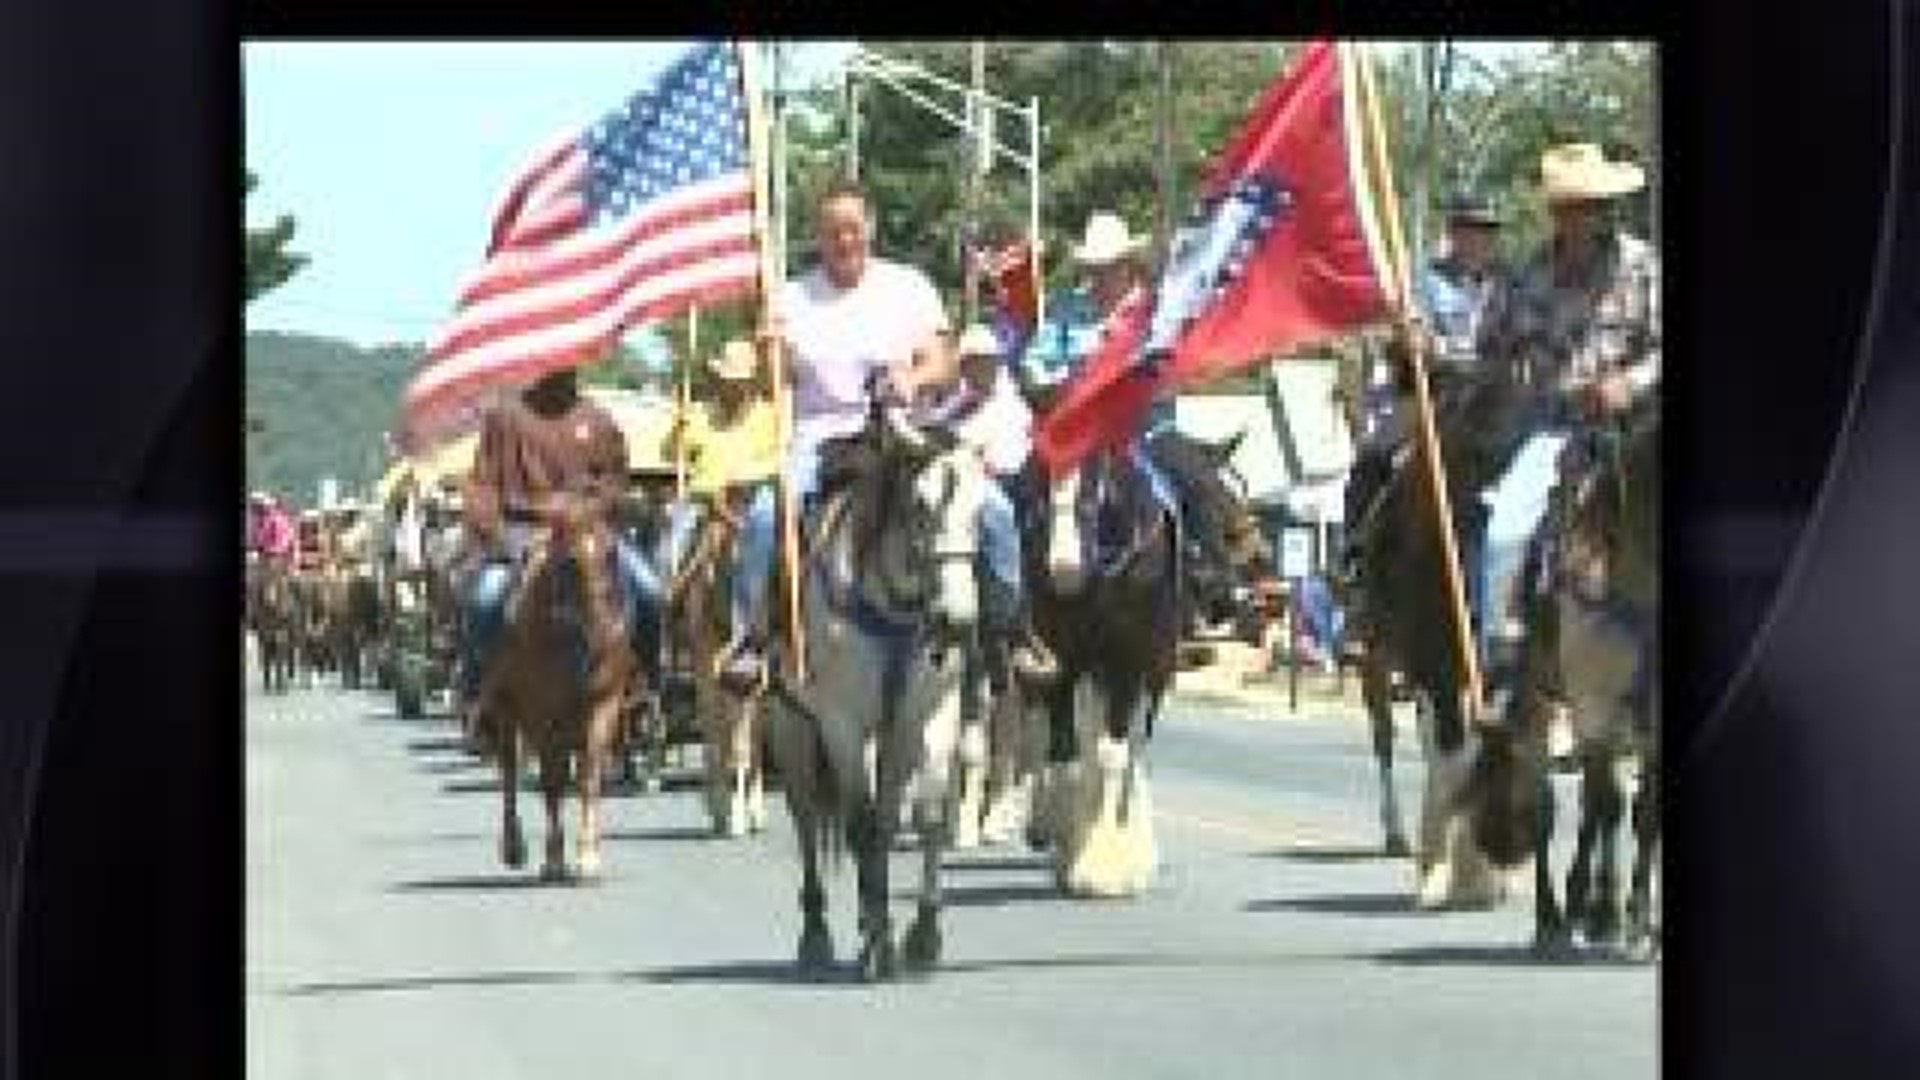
(269, 263)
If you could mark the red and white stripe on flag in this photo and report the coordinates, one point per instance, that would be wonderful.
(644, 214)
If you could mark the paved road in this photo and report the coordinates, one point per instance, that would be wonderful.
(385, 941)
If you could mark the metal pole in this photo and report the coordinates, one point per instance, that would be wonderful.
(1164, 239)
(853, 126)
(976, 109)
(1033, 212)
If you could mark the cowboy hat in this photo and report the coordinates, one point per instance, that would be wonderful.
(736, 361)
(1472, 208)
(1107, 240)
(977, 340)
(1580, 172)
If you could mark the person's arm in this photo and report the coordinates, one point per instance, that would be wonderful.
(1642, 376)
(481, 503)
(606, 467)
(933, 363)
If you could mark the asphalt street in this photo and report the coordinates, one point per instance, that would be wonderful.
(385, 940)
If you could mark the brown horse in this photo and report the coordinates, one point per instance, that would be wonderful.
(558, 684)
(273, 612)
(733, 728)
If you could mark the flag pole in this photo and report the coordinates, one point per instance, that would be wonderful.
(684, 392)
(771, 272)
(1401, 301)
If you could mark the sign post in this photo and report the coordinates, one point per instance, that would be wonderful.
(1296, 564)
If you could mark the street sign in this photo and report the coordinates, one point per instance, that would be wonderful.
(1296, 552)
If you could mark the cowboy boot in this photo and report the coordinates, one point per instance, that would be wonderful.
(1030, 657)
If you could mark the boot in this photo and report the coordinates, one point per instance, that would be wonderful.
(1031, 659)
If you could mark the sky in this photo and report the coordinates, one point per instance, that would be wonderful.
(391, 157)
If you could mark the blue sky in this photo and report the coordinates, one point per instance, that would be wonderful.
(392, 155)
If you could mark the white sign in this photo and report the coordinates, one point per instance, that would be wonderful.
(1296, 552)
(329, 492)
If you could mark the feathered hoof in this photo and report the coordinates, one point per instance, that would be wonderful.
(1397, 846)
(879, 961)
(921, 949)
(816, 952)
(1642, 946)
(1114, 861)
(1434, 889)
(587, 870)
(554, 870)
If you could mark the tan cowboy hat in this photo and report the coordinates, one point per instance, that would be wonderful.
(977, 340)
(1580, 172)
(736, 361)
(1107, 240)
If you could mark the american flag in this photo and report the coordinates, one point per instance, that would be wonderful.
(642, 215)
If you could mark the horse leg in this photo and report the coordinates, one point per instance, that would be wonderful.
(1642, 935)
(603, 722)
(1046, 825)
(752, 737)
(922, 945)
(1433, 868)
(1376, 690)
(513, 844)
(870, 832)
(553, 788)
(971, 805)
(1551, 934)
(1602, 915)
(1011, 768)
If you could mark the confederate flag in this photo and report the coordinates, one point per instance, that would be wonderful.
(1280, 252)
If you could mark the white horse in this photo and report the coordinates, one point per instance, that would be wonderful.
(889, 600)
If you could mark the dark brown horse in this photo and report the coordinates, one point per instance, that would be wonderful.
(273, 612)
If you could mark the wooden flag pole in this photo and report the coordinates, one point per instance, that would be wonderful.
(1401, 300)
(772, 271)
(684, 392)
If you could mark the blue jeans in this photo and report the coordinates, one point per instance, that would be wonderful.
(486, 606)
(1000, 536)
(1517, 504)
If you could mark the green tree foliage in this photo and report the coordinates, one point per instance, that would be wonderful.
(269, 263)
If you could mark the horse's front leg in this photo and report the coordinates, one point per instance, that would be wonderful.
(1376, 691)
(603, 725)
(1602, 915)
(553, 788)
(1551, 935)
(513, 843)
(1642, 933)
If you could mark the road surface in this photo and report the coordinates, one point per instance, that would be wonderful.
(384, 940)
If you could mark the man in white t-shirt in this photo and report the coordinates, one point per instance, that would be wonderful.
(988, 414)
(850, 317)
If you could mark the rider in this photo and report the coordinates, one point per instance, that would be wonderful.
(549, 442)
(274, 534)
(1110, 256)
(733, 444)
(1576, 342)
(1453, 293)
(989, 415)
(855, 316)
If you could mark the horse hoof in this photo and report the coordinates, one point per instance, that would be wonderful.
(553, 871)
(816, 951)
(1602, 930)
(1397, 846)
(587, 870)
(922, 946)
(879, 962)
(513, 851)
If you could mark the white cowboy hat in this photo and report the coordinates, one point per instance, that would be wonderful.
(1107, 240)
(977, 340)
(1580, 172)
(736, 361)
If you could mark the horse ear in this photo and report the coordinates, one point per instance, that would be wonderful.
(1224, 452)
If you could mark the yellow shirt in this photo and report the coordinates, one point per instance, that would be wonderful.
(743, 452)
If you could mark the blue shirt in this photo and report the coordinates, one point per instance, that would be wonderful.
(1454, 303)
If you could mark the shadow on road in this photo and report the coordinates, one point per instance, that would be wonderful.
(1340, 904)
(434, 982)
(450, 745)
(1501, 956)
(991, 896)
(477, 883)
(1332, 856)
(671, 834)
(1037, 864)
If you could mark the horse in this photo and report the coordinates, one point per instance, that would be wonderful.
(732, 726)
(1403, 619)
(558, 683)
(1593, 641)
(1108, 587)
(1224, 556)
(274, 615)
(889, 601)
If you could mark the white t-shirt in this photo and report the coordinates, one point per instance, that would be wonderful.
(1000, 428)
(838, 337)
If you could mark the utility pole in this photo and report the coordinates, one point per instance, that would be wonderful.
(1163, 242)
(853, 125)
(979, 161)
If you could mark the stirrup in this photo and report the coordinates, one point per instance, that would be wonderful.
(741, 668)
(1032, 660)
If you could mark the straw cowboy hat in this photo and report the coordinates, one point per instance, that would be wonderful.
(736, 361)
(1580, 172)
(977, 340)
(1107, 240)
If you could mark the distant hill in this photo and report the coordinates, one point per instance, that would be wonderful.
(321, 406)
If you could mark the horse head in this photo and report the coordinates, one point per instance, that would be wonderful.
(1227, 553)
